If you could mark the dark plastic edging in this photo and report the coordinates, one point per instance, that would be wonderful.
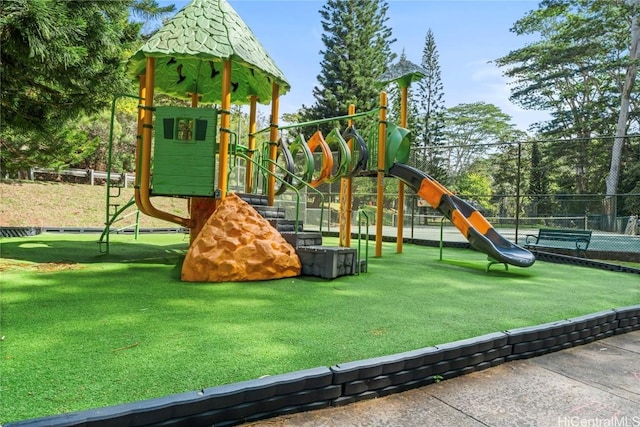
(349, 382)
(583, 262)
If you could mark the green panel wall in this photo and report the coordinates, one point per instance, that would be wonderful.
(184, 151)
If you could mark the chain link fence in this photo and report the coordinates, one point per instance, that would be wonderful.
(527, 186)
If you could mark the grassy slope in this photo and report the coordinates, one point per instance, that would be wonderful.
(52, 204)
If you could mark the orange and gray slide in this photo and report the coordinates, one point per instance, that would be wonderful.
(473, 226)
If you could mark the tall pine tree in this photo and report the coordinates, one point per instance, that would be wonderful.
(60, 58)
(357, 51)
(394, 93)
(429, 97)
(576, 71)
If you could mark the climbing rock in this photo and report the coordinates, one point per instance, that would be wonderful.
(237, 244)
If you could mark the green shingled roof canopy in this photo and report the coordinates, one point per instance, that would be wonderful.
(191, 48)
(404, 72)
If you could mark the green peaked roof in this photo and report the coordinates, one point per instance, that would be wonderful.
(191, 47)
(404, 72)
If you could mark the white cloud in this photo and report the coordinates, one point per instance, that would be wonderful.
(492, 87)
(484, 70)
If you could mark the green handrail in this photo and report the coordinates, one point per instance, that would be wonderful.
(108, 222)
(234, 148)
(320, 121)
(247, 158)
(361, 213)
(306, 184)
(114, 217)
(441, 245)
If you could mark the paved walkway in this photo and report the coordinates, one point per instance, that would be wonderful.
(595, 385)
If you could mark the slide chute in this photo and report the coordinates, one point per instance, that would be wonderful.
(471, 223)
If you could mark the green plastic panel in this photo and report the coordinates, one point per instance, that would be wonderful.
(184, 154)
(398, 146)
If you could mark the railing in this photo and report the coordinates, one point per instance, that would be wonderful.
(361, 214)
(104, 237)
(305, 184)
(261, 167)
(90, 174)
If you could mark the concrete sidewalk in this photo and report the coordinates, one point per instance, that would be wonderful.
(595, 385)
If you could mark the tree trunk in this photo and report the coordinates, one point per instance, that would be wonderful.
(618, 142)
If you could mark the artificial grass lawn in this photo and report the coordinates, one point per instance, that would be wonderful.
(82, 329)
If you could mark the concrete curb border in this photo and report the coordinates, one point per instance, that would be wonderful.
(350, 382)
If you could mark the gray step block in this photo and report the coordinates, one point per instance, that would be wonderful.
(254, 199)
(285, 225)
(327, 262)
(270, 212)
(305, 238)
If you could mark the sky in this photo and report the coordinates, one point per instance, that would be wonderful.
(469, 34)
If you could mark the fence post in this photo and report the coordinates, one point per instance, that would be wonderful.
(91, 180)
(414, 201)
(329, 210)
(518, 190)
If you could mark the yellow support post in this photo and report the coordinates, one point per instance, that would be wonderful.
(346, 196)
(273, 137)
(382, 135)
(399, 237)
(142, 93)
(143, 191)
(403, 123)
(225, 122)
(195, 98)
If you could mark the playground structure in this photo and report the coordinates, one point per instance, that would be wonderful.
(189, 152)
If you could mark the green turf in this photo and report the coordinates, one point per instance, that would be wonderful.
(82, 330)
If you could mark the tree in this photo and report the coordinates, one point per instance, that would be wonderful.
(577, 72)
(95, 129)
(398, 73)
(26, 148)
(60, 59)
(429, 99)
(472, 130)
(475, 188)
(631, 185)
(357, 51)
(625, 101)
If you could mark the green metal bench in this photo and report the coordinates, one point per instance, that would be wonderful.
(577, 240)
